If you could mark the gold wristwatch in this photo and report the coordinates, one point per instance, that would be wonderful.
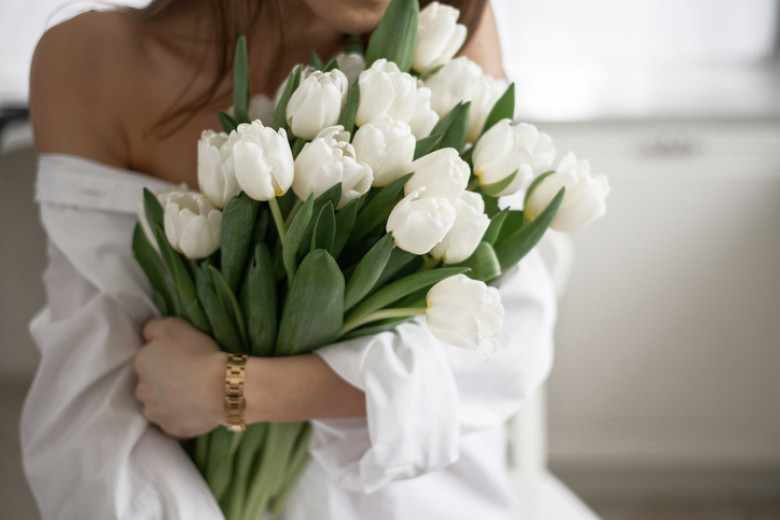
(235, 403)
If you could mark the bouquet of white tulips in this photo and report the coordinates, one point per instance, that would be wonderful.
(367, 200)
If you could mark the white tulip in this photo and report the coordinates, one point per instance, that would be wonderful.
(467, 231)
(216, 178)
(261, 107)
(465, 313)
(328, 160)
(193, 225)
(583, 202)
(439, 36)
(507, 148)
(384, 89)
(162, 197)
(442, 173)
(387, 145)
(351, 64)
(262, 160)
(306, 71)
(419, 223)
(317, 103)
(462, 80)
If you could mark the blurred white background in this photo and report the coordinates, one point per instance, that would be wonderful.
(668, 345)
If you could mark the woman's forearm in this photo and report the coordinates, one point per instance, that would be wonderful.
(181, 383)
(298, 388)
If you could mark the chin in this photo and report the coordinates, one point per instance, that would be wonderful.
(351, 16)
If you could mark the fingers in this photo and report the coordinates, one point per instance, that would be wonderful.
(161, 327)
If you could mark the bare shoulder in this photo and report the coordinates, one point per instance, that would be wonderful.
(75, 81)
(484, 46)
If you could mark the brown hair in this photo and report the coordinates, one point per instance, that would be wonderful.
(231, 18)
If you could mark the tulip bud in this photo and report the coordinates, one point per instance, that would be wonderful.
(439, 36)
(384, 89)
(462, 80)
(387, 146)
(262, 160)
(317, 103)
(351, 64)
(216, 178)
(192, 224)
(465, 313)
(419, 223)
(442, 173)
(328, 160)
(583, 202)
(507, 148)
(261, 107)
(466, 233)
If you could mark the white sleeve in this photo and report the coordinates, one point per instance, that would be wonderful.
(422, 395)
(87, 450)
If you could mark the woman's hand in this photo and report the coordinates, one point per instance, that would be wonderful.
(181, 377)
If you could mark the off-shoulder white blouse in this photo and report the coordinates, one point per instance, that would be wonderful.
(432, 446)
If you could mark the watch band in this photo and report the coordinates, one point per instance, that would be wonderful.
(235, 403)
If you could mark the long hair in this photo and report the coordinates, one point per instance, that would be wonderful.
(228, 20)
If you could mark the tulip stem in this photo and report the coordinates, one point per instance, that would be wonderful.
(278, 219)
(403, 312)
(474, 184)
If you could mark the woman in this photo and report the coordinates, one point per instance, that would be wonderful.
(114, 93)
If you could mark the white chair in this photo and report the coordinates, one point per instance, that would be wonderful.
(540, 494)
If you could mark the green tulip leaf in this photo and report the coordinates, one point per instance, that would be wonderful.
(219, 469)
(297, 146)
(280, 114)
(153, 211)
(222, 327)
(241, 82)
(238, 222)
(297, 463)
(235, 500)
(314, 308)
(354, 45)
(368, 271)
(227, 299)
(400, 288)
(483, 263)
(259, 302)
(348, 113)
(376, 211)
(332, 64)
(457, 127)
(324, 230)
(295, 234)
(260, 230)
(168, 300)
(427, 145)
(512, 224)
(494, 228)
(400, 263)
(395, 35)
(345, 221)
(383, 326)
(331, 196)
(182, 280)
(267, 476)
(314, 60)
(503, 109)
(496, 188)
(536, 182)
(515, 246)
(226, 121)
